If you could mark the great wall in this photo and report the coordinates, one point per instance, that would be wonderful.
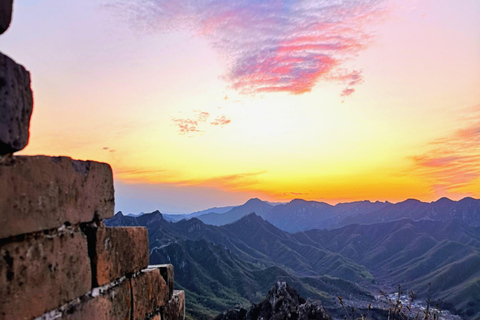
(58, 260)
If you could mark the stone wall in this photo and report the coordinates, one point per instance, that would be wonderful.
(57, 259)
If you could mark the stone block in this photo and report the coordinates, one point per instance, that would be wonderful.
(40, 193)
(149, 292)
(113, 303)
(167, 272)
(16, 103)
(175, 307)
(42, 272)
(116, 252)
(5, 14)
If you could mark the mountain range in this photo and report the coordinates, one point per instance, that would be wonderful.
(301, 215)
(231, 265)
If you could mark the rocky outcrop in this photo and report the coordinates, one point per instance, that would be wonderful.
(16, 105)
(282, 302)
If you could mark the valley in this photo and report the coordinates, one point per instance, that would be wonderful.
(226, 266)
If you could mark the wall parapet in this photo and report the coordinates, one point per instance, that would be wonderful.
(57, 259)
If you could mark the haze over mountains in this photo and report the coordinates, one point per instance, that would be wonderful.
(411, 243)
(300, 215)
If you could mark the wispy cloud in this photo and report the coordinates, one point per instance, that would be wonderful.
(220, 121)
(196, 123)
(453, 162)
(272, 45)
(235, 181)
(191, 125)
(108, 149)
(295, 194)
(346, 92)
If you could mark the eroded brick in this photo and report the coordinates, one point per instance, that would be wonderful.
(116, 252)
(16, 99)
(167, 272)
(113, 303)
(149, 292)
(39, 193)
(5, 14)
(42, 272)
(175, 307)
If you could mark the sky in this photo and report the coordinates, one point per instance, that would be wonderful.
(208, 103)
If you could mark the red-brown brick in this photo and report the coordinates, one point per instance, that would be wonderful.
(5, 14)
(42, 272)
(117, 252)
(39, 193)
(114, 303)
(149, 292)
(16, 101)
(175, 307)
(167, 272)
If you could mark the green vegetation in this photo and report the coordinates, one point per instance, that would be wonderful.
(233, 265)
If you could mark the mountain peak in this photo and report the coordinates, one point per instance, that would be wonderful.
(156, 215)
(119, 214)
(253, 201)
(410, 201)
(298, 200)
(444, 200)
(252, 217)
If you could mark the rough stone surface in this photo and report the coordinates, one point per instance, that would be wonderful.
(42, 272)
(39, 193)
(5, 14)
(282, 302)
(113, 301)
(149, 292)
(175, 308)
(16, 103)
(167, 272)
(157, 317)
(116, 252)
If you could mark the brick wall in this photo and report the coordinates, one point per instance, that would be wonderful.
(57, 259)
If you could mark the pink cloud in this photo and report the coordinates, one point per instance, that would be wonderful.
(220, 121)
(347, 91)
(198, 122)
(271, 45)
(453, 161)
(191, 125)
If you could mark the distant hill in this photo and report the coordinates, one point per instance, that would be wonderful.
(445, 254)
(255, 205)
(178, 217)
(237, 262)
(301, 215)
(466, 209)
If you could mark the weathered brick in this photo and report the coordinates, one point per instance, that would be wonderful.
(5, 14)
(114, 303)
(16, 101)
(39, 193)
(175, 307)
(42, 272)
(167, 272)
(149, 292)
(116, 252)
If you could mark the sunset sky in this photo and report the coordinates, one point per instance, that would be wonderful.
(209, 103)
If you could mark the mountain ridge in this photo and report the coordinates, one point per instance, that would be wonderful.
(320, 262)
